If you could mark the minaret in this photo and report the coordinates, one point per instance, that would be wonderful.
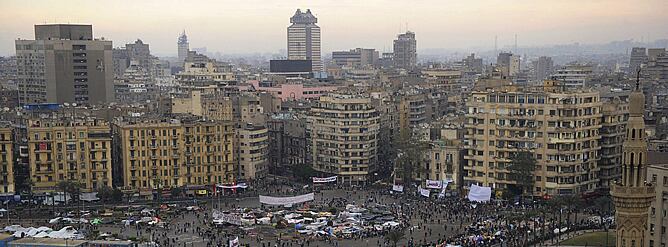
(633, 195)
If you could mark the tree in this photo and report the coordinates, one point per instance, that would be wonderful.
(108, 194)
(303, 172)
(522, 167)
(394, 236)
(176, 192)
(410, 158)
(70, 188)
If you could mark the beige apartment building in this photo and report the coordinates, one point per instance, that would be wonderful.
(658, 214)
(342, 137)
(213, 106)
(561, 128)
(615, 113)
(185, 152)
(69, 150)
(7, 161)
(253, 152)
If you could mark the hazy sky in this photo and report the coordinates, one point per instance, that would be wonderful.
(245, 26)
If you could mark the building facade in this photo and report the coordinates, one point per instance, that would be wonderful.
(64, 64)
(405, 51)
(560, 128)
(342, 137)
(253, 152)
(183, 152)
(183, 47)
(613, 125)
(69, 150)
(658, 214)
(304, 39)
(7, 160)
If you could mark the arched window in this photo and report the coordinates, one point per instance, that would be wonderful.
(633, 134)
(632, 159)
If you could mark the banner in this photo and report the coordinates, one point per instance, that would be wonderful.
(434, 184)
(324, 180)
(479, 193)
(234, 242)
(286, 200)
(220, 218)
(424, 192)
(236, 186)
(399, 188)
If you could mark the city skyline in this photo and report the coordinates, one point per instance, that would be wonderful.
(214, 24)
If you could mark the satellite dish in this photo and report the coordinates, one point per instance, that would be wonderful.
(5, 109)
(66, 104)
(74, 104)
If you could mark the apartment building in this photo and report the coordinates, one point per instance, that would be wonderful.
(69, 150)
(7, 161)
(658, 214)
(184, 152)
(561, 128)
(342, 137)
(253, 152)
(615, 113)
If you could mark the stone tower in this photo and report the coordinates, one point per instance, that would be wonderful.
(633, 195)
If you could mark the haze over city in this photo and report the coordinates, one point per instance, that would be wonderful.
(322, 123)
(233, 27)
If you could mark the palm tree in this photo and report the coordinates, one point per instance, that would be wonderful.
(395, 236)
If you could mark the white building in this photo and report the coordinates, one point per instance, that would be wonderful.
(304, 39)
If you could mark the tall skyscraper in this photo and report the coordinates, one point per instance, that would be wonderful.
(183, 46)
(64, 64)
(405, 50)
(304, 39)
(633, 195)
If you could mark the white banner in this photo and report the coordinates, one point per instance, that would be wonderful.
(220, 218)
(479, 193)
(424, 192)
(399, 188)
(434, 184)
(286, 200)
(324, 180)
(236, 186)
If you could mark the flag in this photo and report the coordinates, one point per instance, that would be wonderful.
(234, 242)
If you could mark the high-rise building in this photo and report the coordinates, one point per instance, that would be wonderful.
(253, 152)
(560, 128)
(69, 150)
(7, 161)
(633, 195)
(405, 51)
(543, 68)
(342, 137)
(158, 154)
(304, 39)
(638, 58)
(613, 125)
(355, 58)
(183, 47)
(64, 64)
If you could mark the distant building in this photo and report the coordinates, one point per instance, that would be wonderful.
(291, 68)
(358, 57)
(473, 64)
(573, 75)
(304, 39)
(183, 46)
(64, 64)
(405, 51)
(637, 59)
(543, 68)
